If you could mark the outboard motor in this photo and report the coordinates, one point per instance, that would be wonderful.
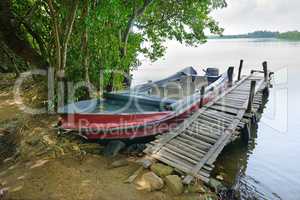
(212, 74)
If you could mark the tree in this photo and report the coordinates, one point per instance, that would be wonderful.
(83, 38)
(290, 35)
(13, 35)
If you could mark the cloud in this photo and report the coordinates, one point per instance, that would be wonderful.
(243, 16)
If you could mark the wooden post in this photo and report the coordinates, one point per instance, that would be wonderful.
(265, 67)
(240, 69)
(202, 91)
(251, 96)
(246, 133)
(230, 75)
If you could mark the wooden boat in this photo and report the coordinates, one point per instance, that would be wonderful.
(144, 110)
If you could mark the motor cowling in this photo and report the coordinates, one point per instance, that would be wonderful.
(212, 71)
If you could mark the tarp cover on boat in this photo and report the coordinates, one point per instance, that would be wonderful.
(188, 71)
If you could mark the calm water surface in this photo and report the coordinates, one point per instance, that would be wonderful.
(270, 164)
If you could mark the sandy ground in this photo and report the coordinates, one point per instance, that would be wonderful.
(63, 177)
(69, 179)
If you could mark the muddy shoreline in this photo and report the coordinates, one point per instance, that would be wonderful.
(41, 164)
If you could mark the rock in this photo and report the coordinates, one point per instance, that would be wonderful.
(190, 197)
(211, 197)
(146, 163)
(152, 182)
(220, 178)
(118, 163)
(113, 148)
(196, 188)
(134, 175)
(174, 183)
(161, 169)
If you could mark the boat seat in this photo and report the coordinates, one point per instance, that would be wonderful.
(178, 89)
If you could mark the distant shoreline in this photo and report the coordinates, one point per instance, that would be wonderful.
(289, 36)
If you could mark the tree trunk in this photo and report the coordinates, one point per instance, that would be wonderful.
(110, 86)
(56, 28)
(85, 53)
(62, 38)
(67, 34)
(12, 39)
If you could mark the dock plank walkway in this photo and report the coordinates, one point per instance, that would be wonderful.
(194, 145)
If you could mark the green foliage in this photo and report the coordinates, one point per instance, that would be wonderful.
(291, 35)
(34, 24)
(118, 32)
(255, 34)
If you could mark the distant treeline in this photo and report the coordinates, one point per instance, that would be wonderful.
(291, 35)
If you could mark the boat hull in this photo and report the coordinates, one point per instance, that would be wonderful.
(138, 125)
(127, 126)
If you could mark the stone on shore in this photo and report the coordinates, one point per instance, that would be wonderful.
(161, 169)
(152, 182)
(118, 163)
(174, 183)
(220, 178)
(196, 188)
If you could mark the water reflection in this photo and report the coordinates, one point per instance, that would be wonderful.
(233, 162)
(271, 161)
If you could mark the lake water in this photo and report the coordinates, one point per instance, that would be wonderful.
(270, 165)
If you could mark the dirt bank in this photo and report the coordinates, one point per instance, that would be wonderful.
(39, 164)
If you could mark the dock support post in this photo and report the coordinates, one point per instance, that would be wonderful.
(202, 91)
(265, 67)
(230, 75)
(246, 133)
(240, 69)
(251, 96)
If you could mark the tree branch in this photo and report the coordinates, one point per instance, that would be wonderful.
(137, 12)
(67, 34)
(56, 33)
(10, 32)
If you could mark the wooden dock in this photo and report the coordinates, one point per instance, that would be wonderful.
(194, 145)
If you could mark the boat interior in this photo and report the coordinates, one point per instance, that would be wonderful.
(156, 96)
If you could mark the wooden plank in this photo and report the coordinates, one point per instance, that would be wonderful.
(224, 104)
(206, 127)
(173, 157)
(201, 121)
(200, 136)
(178, 130)
(196, 140)
(202, 162)
(218, 117)
(213, 119)
(205, 120)
(224, 109)
(179, 165)
(192, 141)
(212, 135)
(184, 151)
(220, 114)
(179, 155)
(219, 145)
(231, 101)
(187, 147)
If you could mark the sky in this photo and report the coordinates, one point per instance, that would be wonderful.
(243, 16)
